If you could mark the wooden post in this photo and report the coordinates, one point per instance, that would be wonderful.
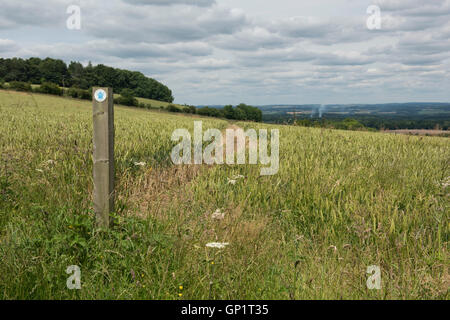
(103, 156)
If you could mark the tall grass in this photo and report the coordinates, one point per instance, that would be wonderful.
(342, 201)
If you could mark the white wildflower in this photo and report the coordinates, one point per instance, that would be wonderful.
(234, 179)
(218, 245)
(218, 215)
(140, 164)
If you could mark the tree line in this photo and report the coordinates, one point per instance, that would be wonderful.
(127, 98)
(240, 112)
(77, 76)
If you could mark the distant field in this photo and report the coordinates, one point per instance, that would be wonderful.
(421, 132)
(341, 202)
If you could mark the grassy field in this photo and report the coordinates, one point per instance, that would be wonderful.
(342, 201)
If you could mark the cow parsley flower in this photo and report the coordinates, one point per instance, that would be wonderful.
(218, 215)
(218, 245)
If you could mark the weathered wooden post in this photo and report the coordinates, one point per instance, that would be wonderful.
(103, 156)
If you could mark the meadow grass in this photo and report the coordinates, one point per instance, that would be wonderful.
(342, 201)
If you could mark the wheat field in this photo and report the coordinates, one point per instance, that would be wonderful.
(341, 202)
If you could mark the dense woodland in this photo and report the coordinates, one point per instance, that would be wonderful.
(38, 71)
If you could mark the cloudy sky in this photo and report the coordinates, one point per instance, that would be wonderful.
(253, 51)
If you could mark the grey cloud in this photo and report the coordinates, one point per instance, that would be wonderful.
(165, 25)
(351, 59)
(207, 52)
(7, 45)
(321, 30)
(147, 50)
(14, 14)
(415, 7)
(248, 39)
(280, 56)
(200, 3)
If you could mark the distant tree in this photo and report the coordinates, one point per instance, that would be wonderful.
(127, 98)
(14, 69)
(76, 72)
(50, 88)
(35, 70)
(78, 93)
(228, 112)
(192, 109)
(54, 71)
(172, 108)
(249, 113)
(20, 86)
(33, 73)
(239, 114)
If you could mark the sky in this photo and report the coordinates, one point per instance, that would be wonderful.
(260, 52)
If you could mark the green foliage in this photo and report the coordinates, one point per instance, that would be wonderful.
(249, 113)
(35, 70)
(172, 108)
(192, 109)
(240, 112)
(20, 86)
(144, 105)
(78, 93)
(55, 71)
(228, 112)
(127, 98)
(345, 124)
(50, 88)
(210, 112)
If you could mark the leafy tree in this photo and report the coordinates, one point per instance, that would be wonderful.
(20, 86)
(55, 71)
(50, 88)
(172, 108)
(127, 98)
(37, 71)
(192, 109)
(229, 112)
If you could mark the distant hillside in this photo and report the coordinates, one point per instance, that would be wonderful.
(37, 71)
(393, 116)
